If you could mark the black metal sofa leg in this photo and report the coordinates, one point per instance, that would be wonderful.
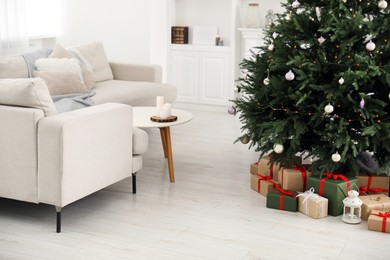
(134, 178)
(58, 228)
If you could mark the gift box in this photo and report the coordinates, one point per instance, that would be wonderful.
(373, 184)
(294, 179)
(267, 168)
(335, 188)
(263, 184)
(282, 200)
(312, 204)
(254, 168)
(379, 221)
(374, 202)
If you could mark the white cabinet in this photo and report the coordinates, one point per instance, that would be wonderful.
(250, 39)
(201, 74)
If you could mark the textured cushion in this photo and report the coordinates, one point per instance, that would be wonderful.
(62, 82)
(27, 92)
(140, 141)
(62, 65)
(95, 55)
(132, 92)
(13, 66)
(87, 75)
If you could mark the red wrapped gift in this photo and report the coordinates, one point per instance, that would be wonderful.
(263, 184)
(379, 221)
(294, 178)
(268, 168)
(373, 184)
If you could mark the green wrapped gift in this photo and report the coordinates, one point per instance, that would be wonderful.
(335, 188)
(283, 200)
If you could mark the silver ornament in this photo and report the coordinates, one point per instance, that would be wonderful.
(382, 4)
(370, 46)
(278, 148)
(341, 81)
(336, 157)
(329, 108)
(296, 4)
(237, 89)
(266, 81)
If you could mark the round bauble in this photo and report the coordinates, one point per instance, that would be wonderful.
(341, 81)
(296, 4)
(244, 139)
(329, 108)
(271, 47)
(266, 81)
(336, 157)
(278, 148)
(237, 89)
(290, 75)
(382, 4)
(321, 40)
(232, 110)
(370, 46)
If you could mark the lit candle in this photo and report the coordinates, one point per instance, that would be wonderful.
(159, 103)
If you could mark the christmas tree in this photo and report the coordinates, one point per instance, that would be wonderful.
(321, 85)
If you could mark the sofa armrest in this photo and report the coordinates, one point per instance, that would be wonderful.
(83, 151)
(136, 72)
(18, 152)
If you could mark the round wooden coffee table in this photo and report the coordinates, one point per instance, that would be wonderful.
(141, 119)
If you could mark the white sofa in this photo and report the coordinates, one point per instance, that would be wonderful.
(58, 158)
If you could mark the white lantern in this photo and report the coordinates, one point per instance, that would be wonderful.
(352, 208)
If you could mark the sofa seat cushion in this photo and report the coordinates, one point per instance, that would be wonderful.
(132, 93)
(140, 141)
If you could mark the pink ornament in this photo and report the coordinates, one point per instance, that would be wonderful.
(232, 110)
(362, 103)
(321, 40)
(290, 75)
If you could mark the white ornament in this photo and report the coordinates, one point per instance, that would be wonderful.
(296, 4)
(290, 75)
(382, 4)
(336, 157)
(329, 108)
(266, 81)
(318, 13)
(271, 47)
(275, 34)
(370, 46)
(321, 40)
(278, 148)
(341, 81)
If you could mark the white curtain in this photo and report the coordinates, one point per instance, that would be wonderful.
(13, 27)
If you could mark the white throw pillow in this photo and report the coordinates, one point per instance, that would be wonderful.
(59, 65)
(27, 92)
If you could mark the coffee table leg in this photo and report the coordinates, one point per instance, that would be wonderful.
(166, 139)
(164, 142)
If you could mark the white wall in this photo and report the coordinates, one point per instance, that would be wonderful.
(122, 25)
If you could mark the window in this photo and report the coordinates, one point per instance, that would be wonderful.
(43, 18)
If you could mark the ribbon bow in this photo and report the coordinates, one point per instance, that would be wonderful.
(308, 194)
(385, 216)
(333, 177)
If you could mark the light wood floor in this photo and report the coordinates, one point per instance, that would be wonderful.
(209, 213)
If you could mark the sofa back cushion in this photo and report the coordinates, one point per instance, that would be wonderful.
(27, 92)
(13, 66)
(95, 55)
